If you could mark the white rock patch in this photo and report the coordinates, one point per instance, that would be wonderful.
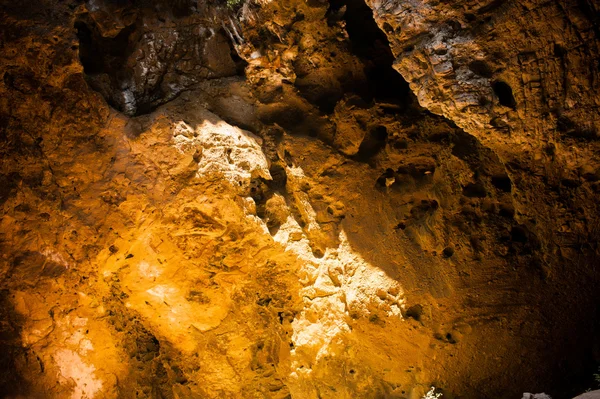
(225, 150)
(73, 368)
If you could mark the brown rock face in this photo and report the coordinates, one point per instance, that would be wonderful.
(299, 199)
(503, 71)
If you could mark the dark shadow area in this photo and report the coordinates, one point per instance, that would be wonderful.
(570, 129)
(590, 9)
(373, 143)
(481, 68)
(12, 385)
(102, 54)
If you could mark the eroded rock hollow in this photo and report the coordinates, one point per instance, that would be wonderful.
(299, 198)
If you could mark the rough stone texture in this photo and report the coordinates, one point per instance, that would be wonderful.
(308, 230)
(141, 56)
(512, 73)
(589, 395)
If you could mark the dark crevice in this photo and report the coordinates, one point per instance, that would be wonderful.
(371, 45)
(240, 63)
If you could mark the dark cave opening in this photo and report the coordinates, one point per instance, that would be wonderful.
(371, 45)
(102, 55)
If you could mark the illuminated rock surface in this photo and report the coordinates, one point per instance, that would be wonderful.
(299, 199)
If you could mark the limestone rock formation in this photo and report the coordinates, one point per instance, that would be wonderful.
(299, 199)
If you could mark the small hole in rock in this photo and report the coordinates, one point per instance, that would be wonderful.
(559, 51)
(415, 312)
(518, 234)
(401, 226)
(502, 183)
(450, 338)
(481, 68)
(448, 252)
(504, 93)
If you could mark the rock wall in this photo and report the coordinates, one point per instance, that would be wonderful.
(288, 219)
(141, 56)
(520, 74)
